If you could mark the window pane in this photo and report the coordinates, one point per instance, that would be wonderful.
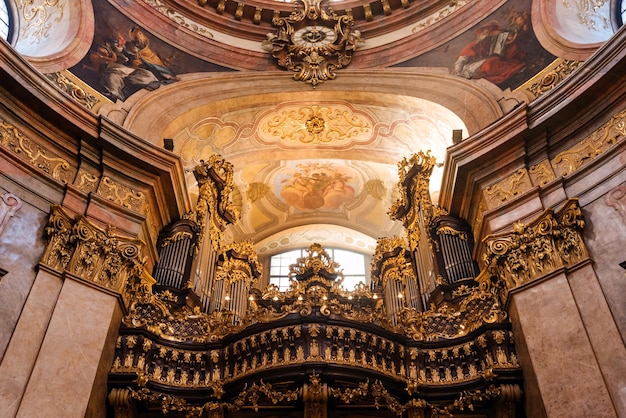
(351, 263)
(4, 20)
(350, 282)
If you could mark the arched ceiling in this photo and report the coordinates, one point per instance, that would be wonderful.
(320, 159)
(310, 163)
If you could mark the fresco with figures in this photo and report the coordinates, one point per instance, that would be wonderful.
(502, 49)
(317, 185)
(125, 58)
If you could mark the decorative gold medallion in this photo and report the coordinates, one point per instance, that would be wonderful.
(313, 41)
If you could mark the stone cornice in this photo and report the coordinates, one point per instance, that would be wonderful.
(592, 87)
(487, 152)
(32, 90)
(152, 159)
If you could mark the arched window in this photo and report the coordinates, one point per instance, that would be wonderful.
(353, 265)
(5, 20)
(618, 12)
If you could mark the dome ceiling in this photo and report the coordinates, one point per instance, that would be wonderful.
(308, 162)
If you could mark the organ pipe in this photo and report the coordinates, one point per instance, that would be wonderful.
(440, 245)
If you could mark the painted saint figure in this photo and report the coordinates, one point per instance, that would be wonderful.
(494, 55)
(117, 78)
(145, 57)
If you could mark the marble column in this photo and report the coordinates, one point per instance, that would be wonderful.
(69, 376)
(562, 373)
(26, 340)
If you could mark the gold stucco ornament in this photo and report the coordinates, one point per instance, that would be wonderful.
(313, 41)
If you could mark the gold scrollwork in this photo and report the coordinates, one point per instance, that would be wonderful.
(215, 184)
(505, 190)
(96, 255)
(549, 78)
(541, 173)
(316, 124)
(76, 89)
(121, 194)
(313, 41)
(533, 251)
(14, 140)
(592, 146)
(414, 174)
(87, 182)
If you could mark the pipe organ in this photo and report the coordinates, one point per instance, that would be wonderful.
(237, 271)
(440, 245)
(176, 247)
(193, 243)
(393, 274)
(453, 248)
(422, 340)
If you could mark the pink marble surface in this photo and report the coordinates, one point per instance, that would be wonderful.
(567, 373)
(25, 343)
(604, 336)
(65, 373)
(21, 245)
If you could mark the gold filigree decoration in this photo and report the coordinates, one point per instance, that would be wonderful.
(76, 89)
(251, 395)
(447, 10)
(381, 398)
(86, 181)
(541, 174)
(591, 147)
(450, 321)
(315, 125)
(587, 13)
(121, 194)
(14, 140)
(168, 403)
(313, 41)
(387, 245)
(507, 189)
(548, 78)
(446, 230)
(38, 17)
(215, 185)
(414, 174)
(241, 263)
(316, 259)
(96, 255)
(179, 19)
(533, 251)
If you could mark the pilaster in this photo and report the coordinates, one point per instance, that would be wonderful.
(67, 332)
(571, 351)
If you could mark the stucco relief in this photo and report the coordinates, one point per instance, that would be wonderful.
(39, 17)
(334, 123)
(8, 206)
(617, 200)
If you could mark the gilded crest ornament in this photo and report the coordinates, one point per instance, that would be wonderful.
(313, 41)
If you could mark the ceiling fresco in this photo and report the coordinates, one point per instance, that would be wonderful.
(502, 49)
(331, 163)
(308, 162)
